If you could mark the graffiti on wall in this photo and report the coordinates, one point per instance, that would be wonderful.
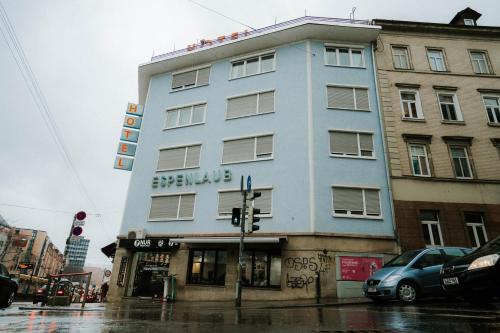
(308, 266)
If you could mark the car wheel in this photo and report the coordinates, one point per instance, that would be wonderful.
(407, 292)
(7, 298)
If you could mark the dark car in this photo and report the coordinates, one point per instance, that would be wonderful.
(40, 295)
(8, 287)
(475, 277)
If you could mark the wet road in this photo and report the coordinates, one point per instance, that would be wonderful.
(145, 316)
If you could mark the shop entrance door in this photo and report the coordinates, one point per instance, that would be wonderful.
(151, 269)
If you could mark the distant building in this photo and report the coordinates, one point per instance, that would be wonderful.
(4, 236)
(97, 275)
(77, 252)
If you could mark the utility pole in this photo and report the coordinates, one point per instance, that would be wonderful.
(242, 238)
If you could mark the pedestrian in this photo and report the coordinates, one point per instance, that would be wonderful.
(104, 291)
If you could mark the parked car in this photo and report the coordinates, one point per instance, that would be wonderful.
(411, 275)
(8, 287)
(476, 276)
(40, 295)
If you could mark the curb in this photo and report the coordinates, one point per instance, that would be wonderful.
(59, 309)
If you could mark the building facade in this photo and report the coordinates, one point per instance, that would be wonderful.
(440, 96)
(295, 107)
(77, 252)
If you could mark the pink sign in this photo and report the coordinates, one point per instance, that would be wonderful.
(358, 268)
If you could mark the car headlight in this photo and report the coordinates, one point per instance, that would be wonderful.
(486, 261)
(391, 279)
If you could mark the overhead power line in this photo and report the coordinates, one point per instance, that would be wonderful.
(40, 101)
(45, 209)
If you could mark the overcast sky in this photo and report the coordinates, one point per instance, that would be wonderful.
(85, 55)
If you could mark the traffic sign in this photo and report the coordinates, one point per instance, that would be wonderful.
(249, 184)
(77, 231)
(107, 273)
(81, 215)
(79, 223)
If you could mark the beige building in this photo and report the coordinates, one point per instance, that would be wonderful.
(439, 88)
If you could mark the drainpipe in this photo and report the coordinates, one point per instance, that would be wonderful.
(386, 160)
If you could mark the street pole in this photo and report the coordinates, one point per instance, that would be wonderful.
(240, 257)
(66, 247)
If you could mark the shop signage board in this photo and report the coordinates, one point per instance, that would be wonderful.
(148, 244)
(358, 268)
(129, 137)
(192, 178)
(25, 265)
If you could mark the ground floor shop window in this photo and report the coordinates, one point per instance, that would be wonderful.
(207, 267)
(261, 269)
(152, 268)
(475, 227)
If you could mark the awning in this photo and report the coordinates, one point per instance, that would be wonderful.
(109, 250)
(228, 240)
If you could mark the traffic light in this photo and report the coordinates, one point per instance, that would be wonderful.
(236, 217)
(252, 219)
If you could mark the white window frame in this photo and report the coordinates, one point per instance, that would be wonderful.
(426, 155)
(350, 48)
(432, 59)
(179, 194)
(197, 69)
(245, 58)
(475, 226)
(428, 224)
(358, 216)
(258, 93)
(497, 119)
(178, 108)
(228, 217)
(484, 60)
(458, 111)
(332, 85)
(418, 105)
(467, 157)
(469, 22)
(185, 156)
(358, 156)
(256, 159)
(407, 54)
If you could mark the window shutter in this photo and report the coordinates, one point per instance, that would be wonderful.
(228, 201)
(366, 141)
(238, 150)
(264, 145)
(183, 79)
(362, 99)
(266, 102)
(350, 199)
(372, 202)
(344, 143)
(264, 202)
(171, 159)
(241, 106)
(186, 206)
(203, 76)
(193, 156)
(340, 97)
(164, 207)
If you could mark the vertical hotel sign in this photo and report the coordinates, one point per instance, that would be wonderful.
(129, 137)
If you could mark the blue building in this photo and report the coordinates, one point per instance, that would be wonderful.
(295, 106)
(77, 252)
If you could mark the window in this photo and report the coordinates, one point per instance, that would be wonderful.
(231, 199)
(356, 202)
(419, 160)
(189, 115)
(248, 149)
(250, 105)
(436, 60)
(172, 207)
(207, 267)
(351, 144)
(195, 78)
(479, 62)
(400, 57)
(251, 66)
(344, 56)
(492, 106)
(448, 103)
(410, 104)
(469, 22)
(461, 162)
(475, 227)
(431, 228)
(261, 269)
(348, 98)
(431, 258)
(179, 158)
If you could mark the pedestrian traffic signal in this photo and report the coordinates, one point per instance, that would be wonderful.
(236, 217)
